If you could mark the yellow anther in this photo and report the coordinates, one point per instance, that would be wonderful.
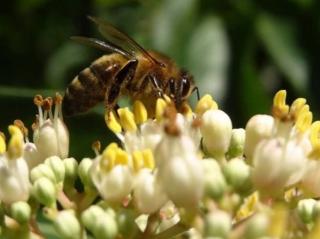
(248, 207)
(3, 146)
(15, 146)
(112, 122)
(297, 105)
(304, 121)
(205, 103)
(167, 99)
(161, 105)
(314, 134)
(127, 119)
(122, 157)
(186, 110)
(137, 160)
(148, 159)
(140, 112)
(108, 159)
(280, 108)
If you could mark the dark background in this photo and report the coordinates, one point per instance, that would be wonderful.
(241, 52)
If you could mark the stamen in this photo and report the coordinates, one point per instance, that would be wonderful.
(22, 127)
(47, 105)
(160, 107)
(108, 159)
(186, 110)
(112, 122)
(296, 106)
(204, 104)
(3, 146)
(127, 119)
(15, 146)
(315, 140)
(196, 123)
(304, 121)
(38, 101)
(57, 110)
(248, 206)
(140, 112)
(122, 157)
(148, 159)
(137, 160)
(96, 147)
(280, 109)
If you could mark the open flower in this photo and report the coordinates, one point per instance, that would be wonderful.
(14, 172)
(50, 136)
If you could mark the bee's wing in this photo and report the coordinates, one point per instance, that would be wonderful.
(102, 45)
(119, 38)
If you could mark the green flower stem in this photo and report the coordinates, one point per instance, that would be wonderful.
(152, 224)
(87, 199)
(173, 231)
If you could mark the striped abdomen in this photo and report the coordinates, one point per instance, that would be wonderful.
(90, 86)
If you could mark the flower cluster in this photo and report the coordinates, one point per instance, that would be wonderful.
(186, 173)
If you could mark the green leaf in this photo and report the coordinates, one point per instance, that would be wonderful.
(279, 40)
(208, 57)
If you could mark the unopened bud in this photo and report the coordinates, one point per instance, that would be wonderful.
(126, 223)
(40, 171)
(256, 227)
(20, 211)
(305, 209)
(237, 173)
(67, 225)
(217, 224)
(237, 143)
(71, 168)
(57, 166)
(44, 191)
(84, 171)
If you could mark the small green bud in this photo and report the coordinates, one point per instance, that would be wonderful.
(42, 170)
(99, 222)
(20, 211)
(237, 173)
(305, 209)
(67, 225)
(84, 171)
(91, 215)
(57, 166)
(237, 143)
(256, 226)
(126, 223)
(214, 181)
(217, 224)
(44, 191)
(71, 167)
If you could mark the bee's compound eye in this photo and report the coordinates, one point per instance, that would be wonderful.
(172, 87)
(185, 87)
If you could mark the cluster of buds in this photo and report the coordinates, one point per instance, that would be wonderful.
(186, 173)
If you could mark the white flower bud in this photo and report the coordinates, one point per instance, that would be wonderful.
(148, 193)
(67, 225)
(14, 180)
(20, 211)
(84, 171)
(237, 143)
(31, 155)
(277, 164)
(180, 170)
(310, 182)
(237, 173)
(57, 166)
(42, 170)
(259, 127)
(217, 224)
(44, 191)
(214, 181)
(305, 209)
(216, 130)
(257, 226)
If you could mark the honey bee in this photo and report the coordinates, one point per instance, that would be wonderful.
(126, 69)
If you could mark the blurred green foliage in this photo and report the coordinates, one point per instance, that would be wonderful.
(239, 51)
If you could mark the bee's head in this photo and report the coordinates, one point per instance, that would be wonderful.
(180, 88)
